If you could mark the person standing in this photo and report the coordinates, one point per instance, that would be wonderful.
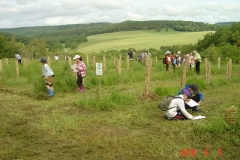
(139, 57)
(197, 59)
(130, 54)
(18, 58)
(49, 76)
(56, 57)
(191, 61)
(81, 71)
(167, 60)
(173, 60)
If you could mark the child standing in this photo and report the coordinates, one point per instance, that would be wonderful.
(81, 67)
(49, 76)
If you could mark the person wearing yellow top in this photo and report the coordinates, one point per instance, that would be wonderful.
(197, 59)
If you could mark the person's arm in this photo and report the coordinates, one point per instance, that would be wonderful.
(184, 111)
(48, 71)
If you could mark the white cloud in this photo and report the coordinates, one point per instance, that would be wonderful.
(20, 13)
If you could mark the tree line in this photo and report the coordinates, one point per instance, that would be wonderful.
(34, 42)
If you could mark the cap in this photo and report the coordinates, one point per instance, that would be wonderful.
(185, 91)
(168, 52)
(194, 52)
(178, 52)
(43, 60)
(76, 57)
(194, 87)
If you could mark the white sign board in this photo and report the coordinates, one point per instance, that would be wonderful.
(99, 69)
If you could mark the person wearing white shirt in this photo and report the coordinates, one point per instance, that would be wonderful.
(176, 109)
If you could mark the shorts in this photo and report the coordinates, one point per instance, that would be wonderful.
(49, 80)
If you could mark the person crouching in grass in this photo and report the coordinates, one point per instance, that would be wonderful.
(176, 109)
(49, 76)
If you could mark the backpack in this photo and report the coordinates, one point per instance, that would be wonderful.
(165, 102)
(175, 60)
(164, 60)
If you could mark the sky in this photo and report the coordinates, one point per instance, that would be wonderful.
(28, 13)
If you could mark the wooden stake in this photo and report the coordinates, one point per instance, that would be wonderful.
(17, 69)
(229, 68)
(6, 59)
(183, 77)
(127, 63)
(208, 72)
(87, 61)
(219, 63)
(69, 61)
(94, 63)
(25, 62)
(49, 61)
(99, 84)
(148, 76)
(156, 59)
(0, 66)
(119, 67)
(104, 64)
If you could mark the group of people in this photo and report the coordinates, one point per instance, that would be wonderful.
(48, 74)
(175, 60)
(178, 106)
(141, 56)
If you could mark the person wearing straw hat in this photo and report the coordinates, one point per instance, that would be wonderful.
(49, 76)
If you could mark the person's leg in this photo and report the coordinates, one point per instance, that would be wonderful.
(198, 67)
(79, 83)
(179, 116)
(50, 91)
(167, 66)
(82, 88)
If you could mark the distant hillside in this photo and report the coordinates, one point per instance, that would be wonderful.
(100, 28)
(73, 35)
(224, 23)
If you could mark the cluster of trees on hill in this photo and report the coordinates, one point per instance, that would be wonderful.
(33, 41)
(11, 44)
(72, 35)
(224, 43)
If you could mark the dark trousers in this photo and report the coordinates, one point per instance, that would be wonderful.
(167, 66)
(20, 61)
(198, 67)
(79, 80)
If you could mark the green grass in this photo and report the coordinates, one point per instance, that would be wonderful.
(118, 124)
(138, 39)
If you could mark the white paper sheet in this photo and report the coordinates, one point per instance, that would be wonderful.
(199, 117)
(74, 68)
(192, 103)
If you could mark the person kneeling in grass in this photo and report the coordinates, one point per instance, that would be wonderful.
(49, 76)
(176, 109)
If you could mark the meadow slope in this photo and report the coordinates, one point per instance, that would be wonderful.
(138, 40)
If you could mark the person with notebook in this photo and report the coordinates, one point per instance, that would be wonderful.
(176, 109)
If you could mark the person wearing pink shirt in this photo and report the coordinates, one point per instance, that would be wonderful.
(191, 61)
(81, 71)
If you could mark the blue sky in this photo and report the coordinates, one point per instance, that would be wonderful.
(24, 13)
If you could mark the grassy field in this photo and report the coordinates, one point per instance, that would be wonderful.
(138, 40)
(121, 123)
